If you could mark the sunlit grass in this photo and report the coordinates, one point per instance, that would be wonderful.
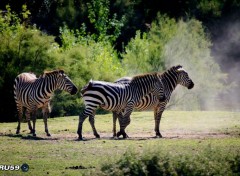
(184, 133)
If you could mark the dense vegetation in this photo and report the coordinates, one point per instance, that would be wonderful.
(104, 40)
(207, 161)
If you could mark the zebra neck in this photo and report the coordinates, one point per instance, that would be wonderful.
(143, 86)
(170, 81)
(49, 85)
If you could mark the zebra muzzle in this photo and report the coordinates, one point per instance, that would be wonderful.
(191, 85)
(74, 90)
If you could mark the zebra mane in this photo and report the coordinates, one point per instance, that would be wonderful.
(86, 87)
(137, 77)
(176, 68)
(52, 72)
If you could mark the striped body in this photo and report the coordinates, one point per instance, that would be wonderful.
(169, 79)
(32, 93)
(117, 97)
(149, 101)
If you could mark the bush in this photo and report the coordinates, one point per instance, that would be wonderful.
(145, 53)
(207, 161)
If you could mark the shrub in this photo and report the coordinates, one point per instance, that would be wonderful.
(145, 53)
(207, 161)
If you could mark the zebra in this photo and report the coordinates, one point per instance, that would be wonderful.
(117, 97)
(170, 79)
(33, 93)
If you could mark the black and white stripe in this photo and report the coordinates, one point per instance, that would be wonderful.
(170, 79)
(32, 93)
(117, 97)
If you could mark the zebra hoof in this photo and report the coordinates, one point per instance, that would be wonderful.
(125, 136)
(80, 138)
(114, 135)
(97, 135)
(34, 135)
(158, 135)
(48, 134)
(119, 134)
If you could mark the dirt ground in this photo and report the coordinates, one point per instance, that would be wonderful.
(132, 136)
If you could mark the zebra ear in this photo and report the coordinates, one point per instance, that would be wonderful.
(61, 72)
(178, 67)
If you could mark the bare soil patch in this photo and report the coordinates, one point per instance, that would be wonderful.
(132, 136)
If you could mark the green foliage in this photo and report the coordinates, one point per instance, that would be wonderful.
(137, 54)
(146, 53)
(63, 104)
(213, 7)
(162, 30)
(106, 28)
(207, 161)
(67, 12)
(81, 52)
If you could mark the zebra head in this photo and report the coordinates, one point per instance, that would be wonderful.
(65, 83)
(183, 78)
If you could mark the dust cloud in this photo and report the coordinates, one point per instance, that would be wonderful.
(226, 51)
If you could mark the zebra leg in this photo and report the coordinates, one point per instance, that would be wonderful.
(28, 118)
(34, 113)
(157, 116)
(124, 121)
(45, 111)
(82, 118)
(20, 114)
(91, 121)
(115, 116)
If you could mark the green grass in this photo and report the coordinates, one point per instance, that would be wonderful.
(186, 135)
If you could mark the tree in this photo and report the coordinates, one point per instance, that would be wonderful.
(145, 53)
